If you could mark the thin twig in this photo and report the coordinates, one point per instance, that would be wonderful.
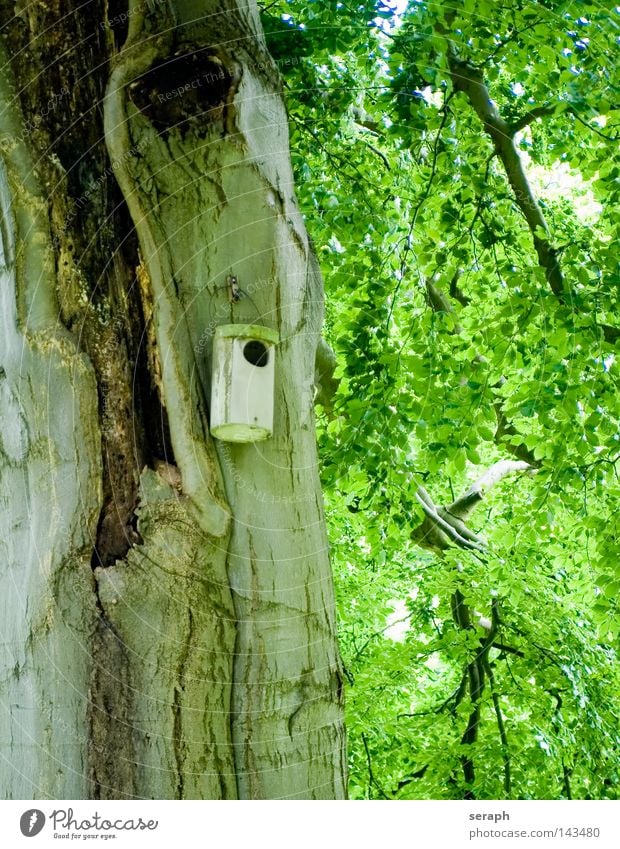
(371, 778)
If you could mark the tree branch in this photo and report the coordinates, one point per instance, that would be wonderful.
(378, 153)
(439, 302)
(500, 727)
(326, 385)
(508, 649)
(463, 506)
(371, 777)
(438, 531)
(547, 110)
(469, 79)
(444, 527)
(529, 118)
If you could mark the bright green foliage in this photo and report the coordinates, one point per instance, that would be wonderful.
(402, 188)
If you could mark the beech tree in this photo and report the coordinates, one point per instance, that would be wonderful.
(168, 626)
(169, 613)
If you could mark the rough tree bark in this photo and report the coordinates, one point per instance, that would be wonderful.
(168, 625)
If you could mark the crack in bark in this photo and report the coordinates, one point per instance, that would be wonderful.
(111, 756)
(178, 707)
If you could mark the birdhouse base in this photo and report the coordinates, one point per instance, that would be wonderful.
(240, 433)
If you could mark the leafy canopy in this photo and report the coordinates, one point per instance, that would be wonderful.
(473, 323)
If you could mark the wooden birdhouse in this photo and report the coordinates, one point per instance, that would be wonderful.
(242, 385)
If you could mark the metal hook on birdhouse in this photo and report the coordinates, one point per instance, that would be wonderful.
(234, 290)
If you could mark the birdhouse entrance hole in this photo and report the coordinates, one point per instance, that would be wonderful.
(256, 353)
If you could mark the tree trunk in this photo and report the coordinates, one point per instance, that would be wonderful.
(169, 624)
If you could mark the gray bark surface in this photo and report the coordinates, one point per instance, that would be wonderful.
(172, 634)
